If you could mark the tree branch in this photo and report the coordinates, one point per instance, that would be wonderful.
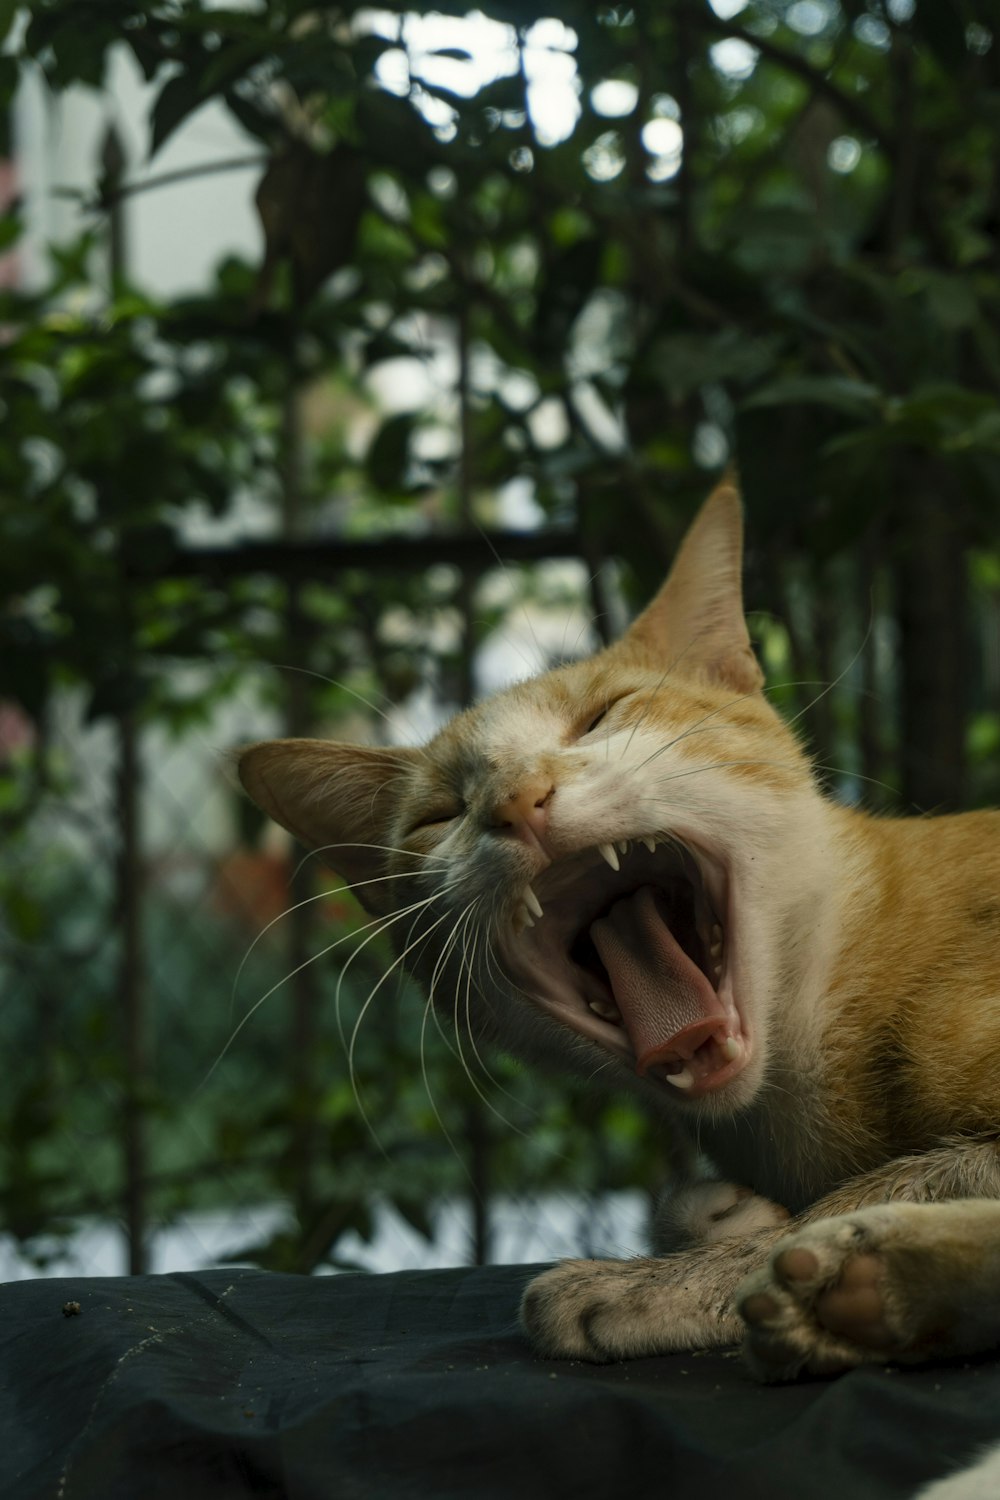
(792, 62)
(107, 199)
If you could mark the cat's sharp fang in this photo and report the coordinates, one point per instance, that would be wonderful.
(732, 1048)
(608, 852)
(649, 842)
(682, 1080)
(606, 1011)
(531, 901)
(716, 933)
(623, 846)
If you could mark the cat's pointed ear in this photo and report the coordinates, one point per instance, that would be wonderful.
(337, 799)
(696, 621)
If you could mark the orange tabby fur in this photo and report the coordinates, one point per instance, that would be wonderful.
(813, 994)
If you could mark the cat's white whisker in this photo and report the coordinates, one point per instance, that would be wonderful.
(297, 906)
(461, 933)
(441, 859)
(719, 765)
(698, 727)
(840, 676)
(500, 981)
(430, 1009)
(440, 965)
(396, 964)
(428, 1012)
(342, 686)
(381, 925)
(379, 922)
(524, 609)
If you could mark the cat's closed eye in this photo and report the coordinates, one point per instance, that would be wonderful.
(439, 816)
(598, 718)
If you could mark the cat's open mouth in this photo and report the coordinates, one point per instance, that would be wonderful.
(632, 945)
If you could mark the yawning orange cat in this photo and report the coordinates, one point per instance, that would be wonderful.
(633, 857)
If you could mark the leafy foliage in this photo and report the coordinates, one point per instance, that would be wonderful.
(768, 239)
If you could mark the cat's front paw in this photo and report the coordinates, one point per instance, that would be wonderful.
(896, 1282)
(554, 1312)
(817, 1307)
(700, 1213)
(603, 1310)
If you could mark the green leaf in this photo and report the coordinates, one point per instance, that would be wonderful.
(856, 397)
(179, 98)
(684, 362)
(8, 10)
(416, 1215)
(255, 121)
(952, 301)
(26, 916)
(388, 455)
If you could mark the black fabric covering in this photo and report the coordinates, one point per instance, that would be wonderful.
(236, 1383)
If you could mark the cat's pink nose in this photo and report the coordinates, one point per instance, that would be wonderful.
(526, 813)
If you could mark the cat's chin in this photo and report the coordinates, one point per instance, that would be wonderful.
(634, 946)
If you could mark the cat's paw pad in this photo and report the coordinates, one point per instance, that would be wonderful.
(823, 1303)
(708, 1211)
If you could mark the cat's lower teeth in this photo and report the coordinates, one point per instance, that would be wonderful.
(732, 1048)
(682, 1080)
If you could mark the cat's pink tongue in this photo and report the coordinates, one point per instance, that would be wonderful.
(668, 1005)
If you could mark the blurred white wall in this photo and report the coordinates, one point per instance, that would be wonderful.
(176, 232)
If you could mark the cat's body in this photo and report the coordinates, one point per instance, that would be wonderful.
(627, 867)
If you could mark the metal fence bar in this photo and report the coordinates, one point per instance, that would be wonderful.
(129, 864)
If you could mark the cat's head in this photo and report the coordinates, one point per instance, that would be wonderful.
(605, 866)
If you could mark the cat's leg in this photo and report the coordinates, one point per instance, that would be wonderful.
(699, 1213)
(619, 1309)
(697, 1208)
(849, 1290)
(604, 1310)
(624, 1309)
(902, 1282)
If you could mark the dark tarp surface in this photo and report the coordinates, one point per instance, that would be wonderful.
(234, 1383)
